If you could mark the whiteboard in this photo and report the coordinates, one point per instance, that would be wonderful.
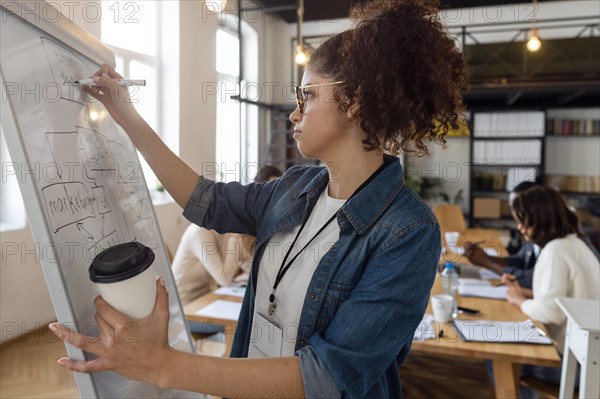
(79, 175)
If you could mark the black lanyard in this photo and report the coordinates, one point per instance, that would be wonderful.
(285, 267)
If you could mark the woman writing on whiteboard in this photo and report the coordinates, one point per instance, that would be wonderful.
(345, 255)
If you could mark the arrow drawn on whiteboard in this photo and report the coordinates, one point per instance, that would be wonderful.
(137, 208)
(80, 227)
(103, 220)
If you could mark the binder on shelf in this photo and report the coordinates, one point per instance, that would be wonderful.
(509, 124)
(508, 152)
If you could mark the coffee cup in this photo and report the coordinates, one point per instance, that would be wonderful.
(125, 278)
(443, 306)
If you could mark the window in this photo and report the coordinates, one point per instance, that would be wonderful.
(133, 31)
(12, 209)
(237, 124)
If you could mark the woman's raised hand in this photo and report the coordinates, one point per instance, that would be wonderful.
(115, 98)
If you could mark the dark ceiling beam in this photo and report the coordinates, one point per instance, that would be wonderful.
(316, 10)
(568, 97)
(512, 98)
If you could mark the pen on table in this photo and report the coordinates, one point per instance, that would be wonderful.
(122, 82)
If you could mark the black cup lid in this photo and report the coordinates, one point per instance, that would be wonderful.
(120, 262)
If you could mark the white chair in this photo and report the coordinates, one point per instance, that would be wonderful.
(582, 344)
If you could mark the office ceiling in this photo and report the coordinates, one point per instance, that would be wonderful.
(576, 83)
(315, 10)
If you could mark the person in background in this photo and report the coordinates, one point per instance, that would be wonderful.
(566, 266)
(345, 254)
(206, 259)
(521, 264)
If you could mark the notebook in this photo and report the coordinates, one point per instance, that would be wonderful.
(501, 331)
(480, 288)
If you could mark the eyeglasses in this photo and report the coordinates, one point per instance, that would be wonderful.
(302, 96)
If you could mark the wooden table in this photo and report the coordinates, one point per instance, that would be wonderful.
(505, 357)
(190, 313)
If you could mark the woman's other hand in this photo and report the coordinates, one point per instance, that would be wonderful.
(132, 348)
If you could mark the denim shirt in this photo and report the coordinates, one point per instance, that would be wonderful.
(369, 291)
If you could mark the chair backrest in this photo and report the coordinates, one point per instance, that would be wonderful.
(450, 217)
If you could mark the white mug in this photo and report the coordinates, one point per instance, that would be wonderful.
(452, 238)
(443, 306)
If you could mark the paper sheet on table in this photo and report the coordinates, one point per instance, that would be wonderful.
(462, 281)
(425, 330)
(227, 310)
(501, 331)
(232, 291)
(480, 288)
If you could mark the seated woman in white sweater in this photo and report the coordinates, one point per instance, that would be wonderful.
(566, 266)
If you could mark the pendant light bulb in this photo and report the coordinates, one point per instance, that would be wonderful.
(534, 43)
(301, 57)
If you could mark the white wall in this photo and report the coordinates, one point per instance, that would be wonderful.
(451, 164)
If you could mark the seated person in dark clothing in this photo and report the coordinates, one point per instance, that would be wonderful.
(521, 264)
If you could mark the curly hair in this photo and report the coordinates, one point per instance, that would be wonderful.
(402, 69)
(544, 210)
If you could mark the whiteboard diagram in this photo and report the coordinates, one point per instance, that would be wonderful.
(82, 181)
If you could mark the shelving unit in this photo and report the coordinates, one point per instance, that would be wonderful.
(574, 169)
(282, 150)
(569, 163)
(507, 147)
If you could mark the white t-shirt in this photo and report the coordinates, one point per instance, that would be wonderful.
(291, 291)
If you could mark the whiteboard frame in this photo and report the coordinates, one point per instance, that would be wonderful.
(72, 35)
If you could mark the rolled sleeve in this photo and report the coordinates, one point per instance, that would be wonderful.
(197, 206)
(228, 207)
(316, 378)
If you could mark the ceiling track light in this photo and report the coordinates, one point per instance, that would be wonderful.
(302, 56)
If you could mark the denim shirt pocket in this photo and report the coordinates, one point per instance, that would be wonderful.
(334, 296)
